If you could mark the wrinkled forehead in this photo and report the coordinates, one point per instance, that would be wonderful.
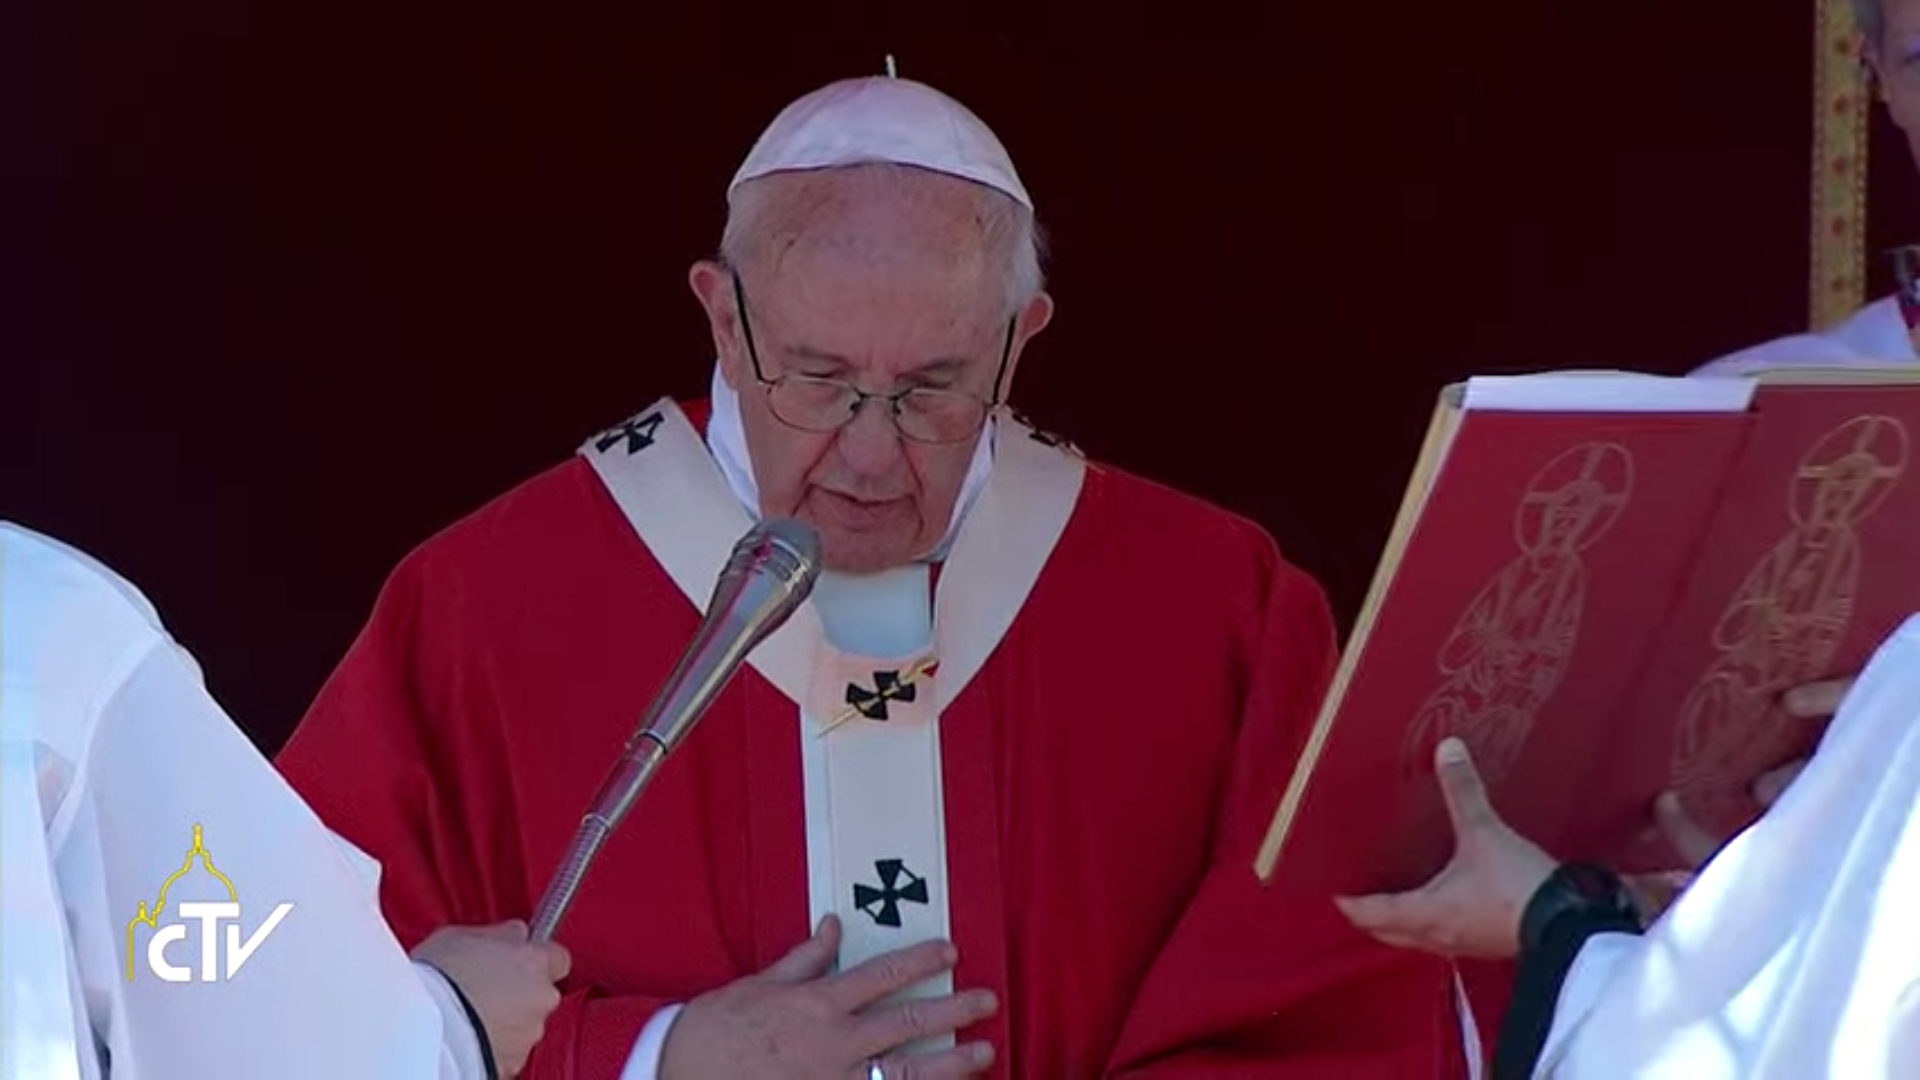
(846, 238)
(827, 306)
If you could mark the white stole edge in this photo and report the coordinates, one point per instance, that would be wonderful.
(675, 498)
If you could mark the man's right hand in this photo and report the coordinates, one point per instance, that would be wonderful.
(507, 978)
(794, 1021)
(1474, 905)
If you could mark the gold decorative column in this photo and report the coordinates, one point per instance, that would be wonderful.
(1838, 252)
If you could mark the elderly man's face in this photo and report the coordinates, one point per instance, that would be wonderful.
(887, 288)
(1896, 62)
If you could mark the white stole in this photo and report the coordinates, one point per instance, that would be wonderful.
(875, 824)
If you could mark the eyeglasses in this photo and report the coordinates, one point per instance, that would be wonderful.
(819, 404)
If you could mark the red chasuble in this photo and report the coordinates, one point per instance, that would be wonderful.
(1125, 675)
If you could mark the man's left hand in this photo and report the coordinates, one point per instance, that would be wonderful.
(1472, 908)
(1816, 701)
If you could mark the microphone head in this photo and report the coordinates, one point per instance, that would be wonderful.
(769, 575)
(784, 547)
(788, 541)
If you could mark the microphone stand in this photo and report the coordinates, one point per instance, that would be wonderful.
(622, 789)
(769, 575)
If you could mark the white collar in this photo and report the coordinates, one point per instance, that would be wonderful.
(727, 441)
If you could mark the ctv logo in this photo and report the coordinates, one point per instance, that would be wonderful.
(212, 916)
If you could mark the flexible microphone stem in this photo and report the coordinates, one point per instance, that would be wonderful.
(632, 774)
(768, 577)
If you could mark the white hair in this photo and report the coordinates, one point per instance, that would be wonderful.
(760, 211)
(1871, 21)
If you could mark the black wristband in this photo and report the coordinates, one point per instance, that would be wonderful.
(1573, 905)
(473, 1018)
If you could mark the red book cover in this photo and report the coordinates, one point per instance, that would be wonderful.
(1604, 605)
(1517, 617)
(1812, 558)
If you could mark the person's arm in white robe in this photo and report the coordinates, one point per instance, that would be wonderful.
(1796, 953)
(1874, 336)
(113, 753)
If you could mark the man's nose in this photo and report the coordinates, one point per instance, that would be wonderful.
(870, 443)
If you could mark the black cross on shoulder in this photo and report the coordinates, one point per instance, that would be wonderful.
(888, 686)
(897, 884)
(638, 433)
(1046, 438)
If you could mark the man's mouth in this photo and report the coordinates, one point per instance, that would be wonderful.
(855, 512)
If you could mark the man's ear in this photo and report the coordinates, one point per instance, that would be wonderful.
(1032, 319)
(712, 285)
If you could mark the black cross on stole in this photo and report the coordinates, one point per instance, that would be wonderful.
(883, 904)
(888, 686)
(638, 433)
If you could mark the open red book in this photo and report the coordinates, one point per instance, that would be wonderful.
(1602, 583)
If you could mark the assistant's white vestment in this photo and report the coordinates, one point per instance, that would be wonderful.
(1796, 954)
(1876, 334)
(127, 798)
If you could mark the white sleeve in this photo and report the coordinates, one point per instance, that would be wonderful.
(644, 1062)
(1797, 350)
(1599, 958)
(43, 1018)
(461, 1057)
(1904, 1038)
(1873, 336)
(172, 804)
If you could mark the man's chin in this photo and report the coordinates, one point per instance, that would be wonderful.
(864, 553)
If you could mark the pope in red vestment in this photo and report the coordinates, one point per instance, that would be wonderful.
(1036, 706)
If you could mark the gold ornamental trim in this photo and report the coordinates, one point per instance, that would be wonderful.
(1842, 98)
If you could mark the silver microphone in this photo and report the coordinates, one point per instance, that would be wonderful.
(768, 577)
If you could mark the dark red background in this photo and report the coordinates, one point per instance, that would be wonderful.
(288, 288)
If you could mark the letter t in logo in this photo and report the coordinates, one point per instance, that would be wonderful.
(209, 913)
